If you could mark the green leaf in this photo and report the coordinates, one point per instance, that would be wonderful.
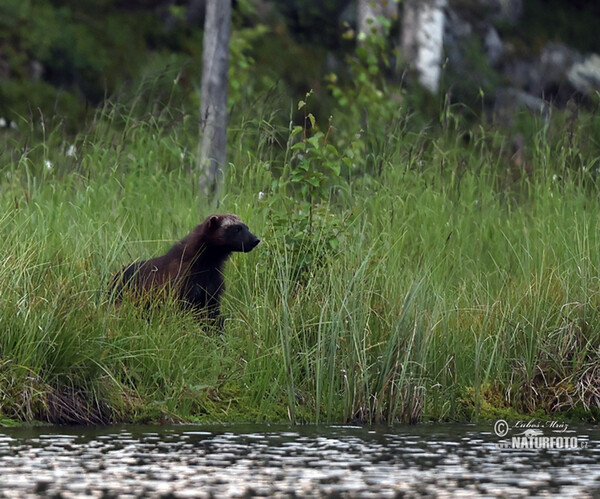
(314, 141)
(312, 120)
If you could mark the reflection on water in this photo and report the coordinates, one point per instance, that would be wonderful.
(280, 461)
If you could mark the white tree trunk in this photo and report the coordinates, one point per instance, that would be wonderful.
(369, 10)
(213, 105)
(423, 39)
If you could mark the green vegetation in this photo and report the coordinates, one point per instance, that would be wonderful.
(407, 272)
(414, 266)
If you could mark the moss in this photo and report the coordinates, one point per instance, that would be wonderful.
(10, 423)
(588, 414)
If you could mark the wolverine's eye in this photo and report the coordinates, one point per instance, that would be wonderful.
(238, 229)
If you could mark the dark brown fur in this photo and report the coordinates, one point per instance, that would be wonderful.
(192, 269)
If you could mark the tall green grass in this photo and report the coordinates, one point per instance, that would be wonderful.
(465, 284)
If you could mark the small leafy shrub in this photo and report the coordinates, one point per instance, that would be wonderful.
(316, 162)
(373, 113)
(298, 208)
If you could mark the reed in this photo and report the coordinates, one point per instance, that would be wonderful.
(464, 283)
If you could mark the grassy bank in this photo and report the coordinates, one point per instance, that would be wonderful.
(444, 277)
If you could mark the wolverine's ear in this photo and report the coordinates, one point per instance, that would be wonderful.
(213, 222)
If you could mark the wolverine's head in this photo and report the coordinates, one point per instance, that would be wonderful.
(230, 233)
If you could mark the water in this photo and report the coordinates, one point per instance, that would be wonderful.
(283, 461)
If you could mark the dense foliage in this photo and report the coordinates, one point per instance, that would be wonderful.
(412, 268)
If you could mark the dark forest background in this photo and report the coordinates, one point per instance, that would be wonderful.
(64, 58)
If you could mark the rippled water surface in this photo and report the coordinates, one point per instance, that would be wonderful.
(282, 461)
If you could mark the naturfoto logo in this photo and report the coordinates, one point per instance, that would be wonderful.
(536, 435)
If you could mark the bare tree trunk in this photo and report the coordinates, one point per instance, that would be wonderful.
(423, 39)
(213, 106)
(369, 10)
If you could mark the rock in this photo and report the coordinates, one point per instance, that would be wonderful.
(35, 70)
(456, 31)
(475, 54)
(556, 60)
(506, 11)
(585, 75)
(494, 48)
(523, 74)
(559, 74)
(510, 100)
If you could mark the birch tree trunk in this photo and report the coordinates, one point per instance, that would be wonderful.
(213, 105)
(369, 10)
(423, 39)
